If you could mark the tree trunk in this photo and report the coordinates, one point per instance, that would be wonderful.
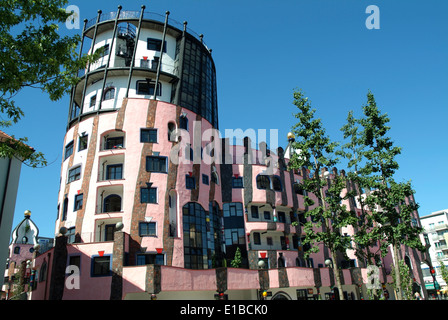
(337, 275)
(398, 290)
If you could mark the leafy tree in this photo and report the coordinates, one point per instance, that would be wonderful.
(317, 152)
(236, 262)
(405, 283)
(390, 216)
(34, 55)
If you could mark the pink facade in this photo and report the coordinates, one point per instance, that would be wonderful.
(138, 222)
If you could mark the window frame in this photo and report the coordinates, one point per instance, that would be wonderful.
(78, 202)
(147, 133)
(160, 168)
(155, 44)
(149, 231)
(104, 273)
(76, 176)
(114, 167)
(150, 88)
(68, 150)
(149, 196)
(190, 182)
(83, 142)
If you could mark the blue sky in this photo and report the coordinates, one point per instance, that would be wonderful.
(263, 50)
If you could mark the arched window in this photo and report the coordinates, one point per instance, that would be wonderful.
(171, 129)
(109, 94)
(263, 182)
(112, 203)
(43, 272)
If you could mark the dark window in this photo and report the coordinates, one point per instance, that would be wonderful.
(156, 44)
(269, 241)
(112, 203)
(147, 229)
(196, 244)
(156, 164)
(276, 184)
(145, 88)
(205, 179)
(214, 177)
(234, 209)
(148, 135)
(183, 122)
(78, 202)
(75, 261)
(114, 143)
(190, 182)
(267, 215)
(254, 212)
(101, 266)
(109, 94)
(150, 258)
(70, 235)
(74, 174)
(148, 195)
(64, 209)
(114, 172)
(281, 216)
(109, 230)
(237, 182)
(68, 150)
(263, 182)
(257, 238)
(16, 250)
(92, 101)
(83, 142)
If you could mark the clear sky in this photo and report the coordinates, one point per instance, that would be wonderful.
(262, 51)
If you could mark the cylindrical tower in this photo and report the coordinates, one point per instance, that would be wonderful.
(117, 165)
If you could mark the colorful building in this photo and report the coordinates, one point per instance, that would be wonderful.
(153, 203)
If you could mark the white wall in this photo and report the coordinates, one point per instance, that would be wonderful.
(9, 183)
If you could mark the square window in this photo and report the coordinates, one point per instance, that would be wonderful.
(101, 266)
(147, 229)
(74, 174)
(78, 202)
(237, 182)
(148, 135)
(148, 195)
(156, 164)
(267, 215)
(114, 172)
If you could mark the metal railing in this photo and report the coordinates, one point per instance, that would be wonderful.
(135, 15)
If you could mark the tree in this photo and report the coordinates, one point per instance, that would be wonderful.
(317, 153)
(236, 262)
(390, 213)
(34, 55)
